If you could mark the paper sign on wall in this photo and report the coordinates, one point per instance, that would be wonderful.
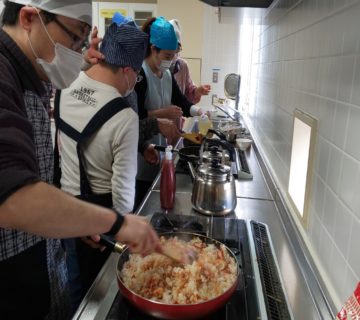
(109, 13)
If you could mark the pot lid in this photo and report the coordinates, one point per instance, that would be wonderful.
(214, 171)
(215, 154)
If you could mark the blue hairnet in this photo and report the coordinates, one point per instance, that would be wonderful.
(119, 19)
(162, 35)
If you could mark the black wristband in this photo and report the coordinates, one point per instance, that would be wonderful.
(117, 224)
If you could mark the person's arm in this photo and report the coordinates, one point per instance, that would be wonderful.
(44, 210)
(190, 87)
(18, 165)
(190, 93)
(92, 55)
(151, 126)
(168, 112)
(148, 127)
(178, 99)
(140, 89)
(36, 207)
(125, 165)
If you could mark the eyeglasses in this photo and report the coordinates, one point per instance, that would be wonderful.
(78, 43)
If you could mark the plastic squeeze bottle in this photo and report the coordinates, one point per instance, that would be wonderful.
(167, 181)
(204, 124)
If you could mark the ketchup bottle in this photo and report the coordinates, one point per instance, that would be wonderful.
(167, 181)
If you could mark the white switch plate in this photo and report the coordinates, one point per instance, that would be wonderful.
(215, 76)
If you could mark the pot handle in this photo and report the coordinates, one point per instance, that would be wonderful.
(192, 171)
(217, 133)
(223, 144)
(111, 244)
(162, 148)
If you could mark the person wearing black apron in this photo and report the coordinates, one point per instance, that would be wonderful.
(158, 93)
(98, 139)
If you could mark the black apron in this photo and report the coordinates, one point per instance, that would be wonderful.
(90, 260)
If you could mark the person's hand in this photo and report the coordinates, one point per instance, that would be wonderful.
(93, 242)
(151, 155)
(168, 129)
(201, 112)
(202, 90)
(171, 112)
(138, 235)
(92, 54)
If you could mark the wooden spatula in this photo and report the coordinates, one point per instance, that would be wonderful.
(182, 255)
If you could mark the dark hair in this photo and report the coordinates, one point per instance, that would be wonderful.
(11, 11)
(146, 28)
(113, 68)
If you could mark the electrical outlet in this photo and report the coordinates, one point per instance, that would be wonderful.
(215, 76)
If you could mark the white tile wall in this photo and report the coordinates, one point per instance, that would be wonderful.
(306, 55)
(308, 58)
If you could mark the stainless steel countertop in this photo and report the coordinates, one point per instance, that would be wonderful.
(255, 202)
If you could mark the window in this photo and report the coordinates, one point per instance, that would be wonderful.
(141, 16)
(303, 144)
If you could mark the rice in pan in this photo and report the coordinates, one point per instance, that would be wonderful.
(158, 278)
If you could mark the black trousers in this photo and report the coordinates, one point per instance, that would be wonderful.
(141, 189)
(83, 262)
(24, 285)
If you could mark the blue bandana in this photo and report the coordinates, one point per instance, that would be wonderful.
(124, 45)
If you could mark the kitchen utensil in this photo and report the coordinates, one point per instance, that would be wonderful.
(193, 137)
(226, 112)
(213, 185)
(231, 130)
(243, 143)
(192, 153)
(181, 255)
(218, 133)
(232, 87)
(175, 311)
(185, 154)
(211, 150)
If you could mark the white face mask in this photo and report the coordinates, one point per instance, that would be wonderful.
(165, 65)
(129, 90)
(64, 68)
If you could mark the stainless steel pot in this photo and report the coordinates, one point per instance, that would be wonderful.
(213, 186)
(231, 130)
(211, 149)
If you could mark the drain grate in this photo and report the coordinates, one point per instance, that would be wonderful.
(275, 301)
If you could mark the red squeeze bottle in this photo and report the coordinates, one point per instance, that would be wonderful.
(167, 181)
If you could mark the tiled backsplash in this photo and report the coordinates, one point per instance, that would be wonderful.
(307, 56)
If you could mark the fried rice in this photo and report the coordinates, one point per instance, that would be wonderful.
(159, 278)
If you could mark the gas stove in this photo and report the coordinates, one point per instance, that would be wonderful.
(259, 293)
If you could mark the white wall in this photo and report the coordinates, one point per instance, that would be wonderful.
(306, 55)
(308, 58)
(190, 14)
(220, 50)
